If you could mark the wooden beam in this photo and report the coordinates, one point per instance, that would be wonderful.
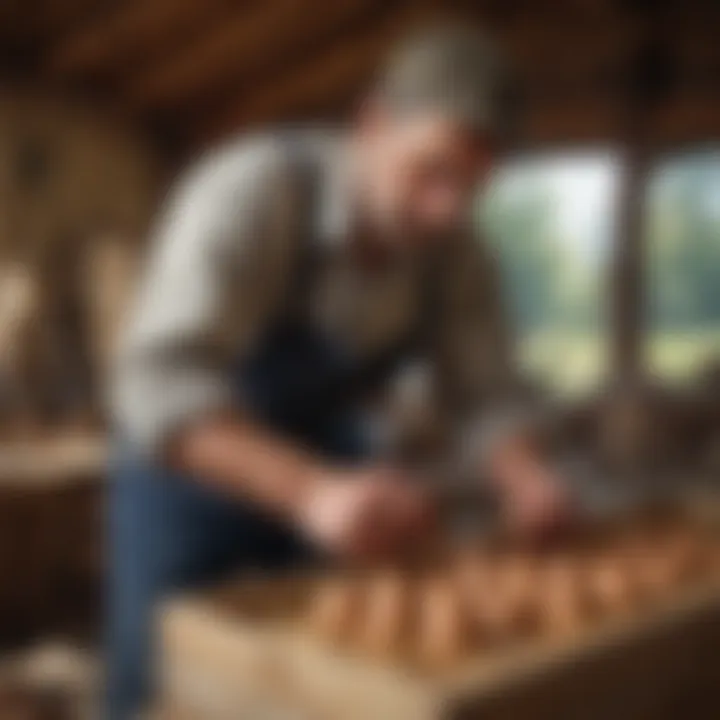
(597, 54)
(627, 296)
(579, 118)
(238, 48)
(268, 69)
(11, 17)
(694, 114)
(341, 65)
(52, 18)
(582, 107)
(129, 32)
(592, 115)
(229, 48)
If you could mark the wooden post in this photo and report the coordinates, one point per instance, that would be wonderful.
(648, 82)
(627, 296)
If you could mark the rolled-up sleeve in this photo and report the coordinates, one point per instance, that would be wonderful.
(218, 268)
(479, 386)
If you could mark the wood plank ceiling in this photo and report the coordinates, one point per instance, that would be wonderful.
(194, 70)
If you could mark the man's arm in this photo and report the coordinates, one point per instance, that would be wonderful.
(218, 277)
(479, 385)
(218, 268)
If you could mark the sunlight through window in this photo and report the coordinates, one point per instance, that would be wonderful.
(683, 243)
(550, 219)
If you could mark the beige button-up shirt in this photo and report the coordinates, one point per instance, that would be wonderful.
(225, 261)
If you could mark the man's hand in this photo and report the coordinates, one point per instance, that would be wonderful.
(365, 513)
(356, 513)
(534, 500)
(537, 505)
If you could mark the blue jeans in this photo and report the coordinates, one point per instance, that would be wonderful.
(170, 533)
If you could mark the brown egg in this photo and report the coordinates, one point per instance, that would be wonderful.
(690, 556)
(473, 573)
(656, 574)
(566, 599)
(713, 560)
(657, 559)
(507, 607)
(612, 585)
(474, 579)
(387, 618)
(443, 632)
(334, 609)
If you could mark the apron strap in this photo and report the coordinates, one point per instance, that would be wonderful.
(354, 379)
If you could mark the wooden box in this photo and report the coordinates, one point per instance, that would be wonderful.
(235, 654)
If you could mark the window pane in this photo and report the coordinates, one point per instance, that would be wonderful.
(684, 266)
(550, 219)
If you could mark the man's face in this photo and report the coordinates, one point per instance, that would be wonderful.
(419, 175)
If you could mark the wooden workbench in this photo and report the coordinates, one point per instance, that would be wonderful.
(227, 656)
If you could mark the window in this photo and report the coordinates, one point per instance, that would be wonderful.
(683, 251)
(550, 219)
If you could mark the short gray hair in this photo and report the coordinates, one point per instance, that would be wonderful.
(456, 70)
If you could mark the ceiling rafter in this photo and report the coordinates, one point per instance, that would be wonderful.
(203, 67)
(305, 47)
(235, 39)
(237, 54)
(128, 32)
(51, 20)
(343, 63)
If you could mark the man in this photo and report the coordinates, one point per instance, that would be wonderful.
(292, 273)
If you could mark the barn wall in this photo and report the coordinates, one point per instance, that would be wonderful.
(77, 190)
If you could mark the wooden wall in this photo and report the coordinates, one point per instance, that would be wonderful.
(77, 190)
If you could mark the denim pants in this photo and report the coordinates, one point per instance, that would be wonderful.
(170, 533)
